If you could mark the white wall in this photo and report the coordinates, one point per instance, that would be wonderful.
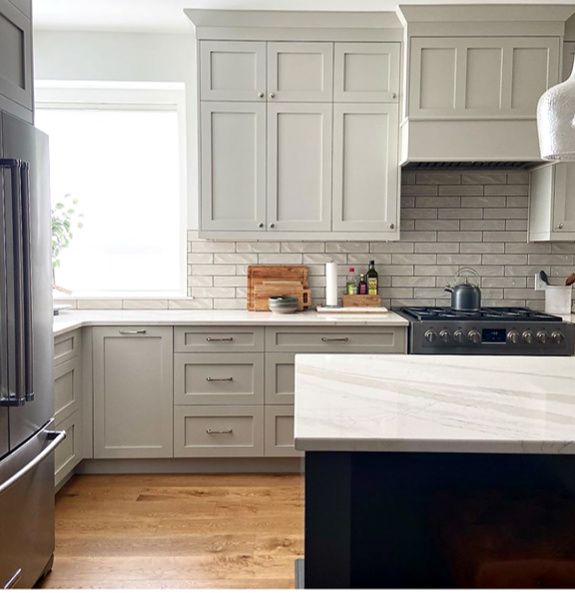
(121, 57)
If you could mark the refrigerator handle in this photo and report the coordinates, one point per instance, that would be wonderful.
(14, 380)
(27, 282)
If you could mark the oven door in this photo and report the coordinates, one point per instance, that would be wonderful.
(27, 510)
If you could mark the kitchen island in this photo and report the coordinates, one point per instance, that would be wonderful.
(395, 445)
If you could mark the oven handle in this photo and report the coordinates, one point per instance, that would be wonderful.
(56, 437)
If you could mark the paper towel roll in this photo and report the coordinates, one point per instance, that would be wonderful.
(331, 284)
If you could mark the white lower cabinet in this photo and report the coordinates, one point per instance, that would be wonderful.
(67, 403)
(69, 453)
(133, 392)
(218, 431)
(279, 435)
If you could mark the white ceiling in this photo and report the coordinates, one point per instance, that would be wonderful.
(167, 15)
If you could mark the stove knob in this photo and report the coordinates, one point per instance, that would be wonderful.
(542, 337)
(458, 336)
(527, 337)
(557, 337)
(444, 336)
(513, 336)
(430, 336)
(474, 336)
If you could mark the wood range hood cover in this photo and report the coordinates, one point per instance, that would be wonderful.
(472, 77)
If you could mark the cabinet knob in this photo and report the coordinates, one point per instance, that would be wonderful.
(392, 226)
(394, 95)
(272, 225)
(272, 95)
(261, 225)
(560, 226)
(261, 95)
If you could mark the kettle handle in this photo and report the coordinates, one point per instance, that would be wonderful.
(448, 289)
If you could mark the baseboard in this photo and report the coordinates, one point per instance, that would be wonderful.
(192, 466)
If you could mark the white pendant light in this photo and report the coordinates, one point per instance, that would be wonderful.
(556, 121)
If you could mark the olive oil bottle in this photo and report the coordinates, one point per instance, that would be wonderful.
(372, 279)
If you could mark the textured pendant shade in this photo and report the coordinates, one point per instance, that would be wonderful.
(556, 121)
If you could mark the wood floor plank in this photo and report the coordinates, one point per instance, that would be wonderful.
(178, 531)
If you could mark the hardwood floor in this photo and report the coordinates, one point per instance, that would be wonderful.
(178, 531)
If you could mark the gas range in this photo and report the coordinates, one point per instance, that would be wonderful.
(491, 330)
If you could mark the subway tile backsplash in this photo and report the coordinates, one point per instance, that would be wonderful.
(449, 219)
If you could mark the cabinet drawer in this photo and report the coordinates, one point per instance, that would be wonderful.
(219, 378)
(279, 439)
(280, 376)
(369, 340)
(218, 339)
(68, 453)
(67, 385)
(66, 346)
(218, 431)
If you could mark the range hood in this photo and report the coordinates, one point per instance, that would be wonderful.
(472, 77)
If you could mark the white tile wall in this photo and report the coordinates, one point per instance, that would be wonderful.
(449, 219)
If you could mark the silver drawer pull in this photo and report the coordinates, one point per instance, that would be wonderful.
(212, 431)
(213, 379)
(335, 339)
(132, 332)
(209, 339)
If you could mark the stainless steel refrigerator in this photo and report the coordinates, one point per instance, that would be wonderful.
(27, 438)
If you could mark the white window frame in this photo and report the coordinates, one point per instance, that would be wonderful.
(51, 94)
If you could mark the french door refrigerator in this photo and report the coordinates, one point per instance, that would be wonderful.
(27, 438)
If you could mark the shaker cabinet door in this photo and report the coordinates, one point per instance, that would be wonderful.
(233, 155)
(232, 71)
(16, 93)
(299, 166)
(133, 392)
(300, 71)
(564, 201)
(367, 72)
(365, 167)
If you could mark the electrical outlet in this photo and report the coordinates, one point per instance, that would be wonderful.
(539, 284)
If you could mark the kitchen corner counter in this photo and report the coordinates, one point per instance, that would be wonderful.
(69, 320)
(435, 404)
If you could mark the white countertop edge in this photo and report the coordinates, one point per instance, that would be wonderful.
(371, 445)
(70, 320)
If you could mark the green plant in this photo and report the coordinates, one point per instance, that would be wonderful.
(65, 220)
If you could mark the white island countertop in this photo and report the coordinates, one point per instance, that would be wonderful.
(453, 404)
(68, 320)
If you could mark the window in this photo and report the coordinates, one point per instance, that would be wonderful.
(117, 155)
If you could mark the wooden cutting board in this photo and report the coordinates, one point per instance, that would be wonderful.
(297, 276)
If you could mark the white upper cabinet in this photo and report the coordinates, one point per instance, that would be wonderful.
(16, 92)
(299, 166)
(480, 76)
(568, 58)
(552, 203)
(366, 72)
(233, 71)
(365, 157)
(233, 139)
(300, 71)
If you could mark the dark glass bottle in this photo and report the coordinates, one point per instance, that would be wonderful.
(372, 279)
(362, 286)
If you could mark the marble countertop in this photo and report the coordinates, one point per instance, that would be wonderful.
(467, 404)
(69, 320)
